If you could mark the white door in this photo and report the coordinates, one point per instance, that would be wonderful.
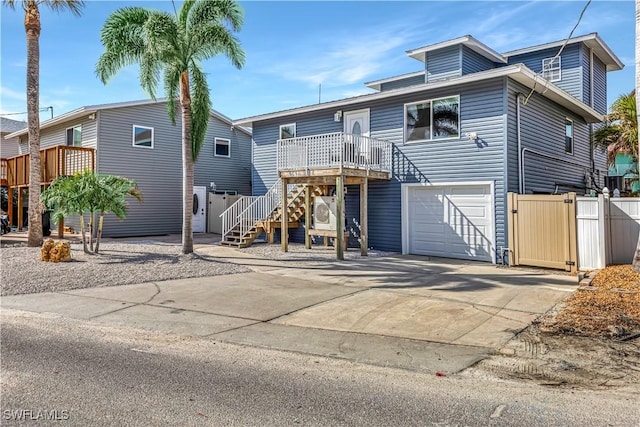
(356, 124)
(450, 221)
(199, 209)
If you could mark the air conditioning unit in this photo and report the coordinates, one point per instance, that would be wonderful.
(324, 213)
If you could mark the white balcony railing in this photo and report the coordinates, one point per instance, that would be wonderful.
(334, 150)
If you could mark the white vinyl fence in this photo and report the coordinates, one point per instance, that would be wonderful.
(607, 229)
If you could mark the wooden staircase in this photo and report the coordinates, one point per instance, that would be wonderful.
(295, 211)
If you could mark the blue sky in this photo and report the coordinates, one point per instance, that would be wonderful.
(292, 47)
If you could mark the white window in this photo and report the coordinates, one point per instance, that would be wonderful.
(288, 131)
(568, 136)
(74, 136)
(142, 136)
(221, 147)
(551, 69)
(432, 119)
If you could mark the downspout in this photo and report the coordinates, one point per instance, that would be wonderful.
(591, 104)
(519, 96)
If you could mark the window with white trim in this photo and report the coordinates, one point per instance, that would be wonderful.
(222, 147)
(287, 131)
(432, 119)
(74, 136)
(568, 136)
(142, 136)
(551, 69)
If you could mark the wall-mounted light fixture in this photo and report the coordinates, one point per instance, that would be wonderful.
(473, 136)
(212, 185)
(92, 116)
(337, 117)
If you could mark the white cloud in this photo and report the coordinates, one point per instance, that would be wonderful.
(15, 95)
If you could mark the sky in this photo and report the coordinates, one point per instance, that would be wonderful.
(294, 47)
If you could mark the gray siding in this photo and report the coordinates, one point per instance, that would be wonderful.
(9, 147)
(542, 126)
(599, 86)
(233, 173)
(158, 171)
(473, 62)
(457, 160)
(443, 64)
(586, 75)
(57, 135)
(570, 66)
(403, 82)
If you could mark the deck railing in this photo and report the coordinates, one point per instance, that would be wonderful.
(60, 160)
(334, 150)
(247, 211)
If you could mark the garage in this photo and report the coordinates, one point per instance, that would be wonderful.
(449, 221)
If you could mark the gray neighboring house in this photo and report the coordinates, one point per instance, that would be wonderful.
(137, 140)
(10, 147)
(466, 128)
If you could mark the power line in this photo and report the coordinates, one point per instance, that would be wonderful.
(41, 109)
(584, 9)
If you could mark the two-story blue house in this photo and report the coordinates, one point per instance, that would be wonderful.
(429, 157)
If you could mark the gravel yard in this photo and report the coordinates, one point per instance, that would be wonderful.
(120, 263)
(297, 252)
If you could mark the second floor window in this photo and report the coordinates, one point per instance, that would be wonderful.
(568, 136)
(434, 119)
(222, 147)
(142, 136)
(288, 131)
(551, 69)
(74, 136)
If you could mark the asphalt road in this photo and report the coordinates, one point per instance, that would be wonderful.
(84, 374)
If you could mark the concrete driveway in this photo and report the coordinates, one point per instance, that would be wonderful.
(405, 311)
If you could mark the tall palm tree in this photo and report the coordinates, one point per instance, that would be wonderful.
(32, 28)
(175, 46)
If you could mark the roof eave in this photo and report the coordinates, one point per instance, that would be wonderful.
(518, 72)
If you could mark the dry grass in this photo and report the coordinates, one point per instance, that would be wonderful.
(611, 308)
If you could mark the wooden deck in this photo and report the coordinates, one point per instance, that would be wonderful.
(55, 161)
(59, 160)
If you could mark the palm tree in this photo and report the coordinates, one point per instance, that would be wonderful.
(175, 46)
(32, 27)
(90, 193)
(620, 132)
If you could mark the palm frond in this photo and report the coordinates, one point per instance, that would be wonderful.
(200, 109)
(150, 69)
(171, 83)
(73, 6)
(211, 40)
(228, 13)
(163, 37)
(124, 40)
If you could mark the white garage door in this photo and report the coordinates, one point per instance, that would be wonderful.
(451, 221)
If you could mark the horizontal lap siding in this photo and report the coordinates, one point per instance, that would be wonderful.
(542, 126)
(229, 173)
(157, 171)
(570, 65)
(599, 86)
(586, 75)
(473, 62)
(57, 135)
(443, 64)
(458, 160)
(402, 82)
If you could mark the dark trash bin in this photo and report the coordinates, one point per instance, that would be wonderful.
(46, 223)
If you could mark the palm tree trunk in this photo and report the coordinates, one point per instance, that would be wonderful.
(636, 259)
(32, 28)
(187, 166)
(99, 234)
